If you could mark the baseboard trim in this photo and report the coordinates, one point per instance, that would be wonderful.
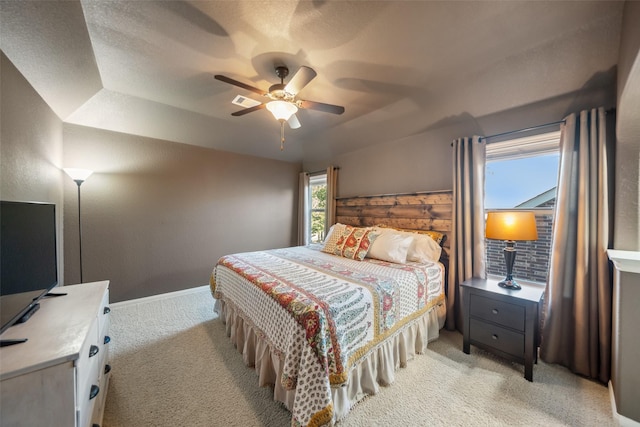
(157, 297)
(620, 419)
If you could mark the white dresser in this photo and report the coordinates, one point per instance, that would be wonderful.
(59, 377)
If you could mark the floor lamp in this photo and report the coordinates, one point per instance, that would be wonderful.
(79, 176)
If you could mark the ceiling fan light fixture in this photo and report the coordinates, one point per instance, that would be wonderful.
(282, 110)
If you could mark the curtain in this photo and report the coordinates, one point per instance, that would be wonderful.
(576, 329)
(332, 187)
(467, 258)
(303, 209)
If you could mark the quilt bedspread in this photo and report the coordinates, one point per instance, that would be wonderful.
(322, 313)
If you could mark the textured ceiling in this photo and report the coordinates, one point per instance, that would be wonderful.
(398, 67)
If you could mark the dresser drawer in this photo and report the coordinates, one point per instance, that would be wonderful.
(87, 365)
(98, 408)
(497, 337)
(103, 314)
(503, 313)
(85, 413)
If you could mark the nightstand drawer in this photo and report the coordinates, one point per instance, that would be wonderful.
(497, 337)
(500, 312)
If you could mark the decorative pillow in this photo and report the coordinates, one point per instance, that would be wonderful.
(332, 237)
(390, 246)
(424, 249)
(354, 242)
(438, 237)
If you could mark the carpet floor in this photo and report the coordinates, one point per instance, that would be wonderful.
(173, 365)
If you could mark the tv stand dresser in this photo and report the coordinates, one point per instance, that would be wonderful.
(59, 376)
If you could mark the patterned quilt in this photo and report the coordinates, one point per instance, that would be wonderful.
(323, 313)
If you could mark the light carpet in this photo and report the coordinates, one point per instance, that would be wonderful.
(173, 365)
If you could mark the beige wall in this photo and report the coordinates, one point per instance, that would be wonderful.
(404, 166)
(30, 147)
(627, 197)
(156, 215)
(626, 346)
(423, 162)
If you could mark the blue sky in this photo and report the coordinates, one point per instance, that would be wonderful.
(511, 182)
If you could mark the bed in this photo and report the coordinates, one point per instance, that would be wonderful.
(326, 325)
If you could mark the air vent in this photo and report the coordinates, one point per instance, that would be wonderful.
(245, 102)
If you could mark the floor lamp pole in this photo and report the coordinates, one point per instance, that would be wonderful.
(79, 182)
(79, 176)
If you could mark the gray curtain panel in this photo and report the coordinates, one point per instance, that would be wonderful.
(332, 193)
(576, 329)
(466, 258)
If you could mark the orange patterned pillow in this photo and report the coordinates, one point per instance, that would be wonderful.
(354, 242)
(435, 235)
(334, 234)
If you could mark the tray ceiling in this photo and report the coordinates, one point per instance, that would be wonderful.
(399, 67)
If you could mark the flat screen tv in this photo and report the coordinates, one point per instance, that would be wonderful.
(29, 265)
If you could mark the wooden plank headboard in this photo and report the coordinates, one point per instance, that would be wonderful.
(431, 210)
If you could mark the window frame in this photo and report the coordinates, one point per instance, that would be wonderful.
(315, 180)
(519, 148)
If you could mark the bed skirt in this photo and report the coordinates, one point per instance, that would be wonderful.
(376, 368)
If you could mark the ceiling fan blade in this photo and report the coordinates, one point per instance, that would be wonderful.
(302, 78)
(240, 84)
(248, 110)
(327, 108)
(293, 121)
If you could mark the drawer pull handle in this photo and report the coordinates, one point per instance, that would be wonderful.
(93, 350)
(106, 310)
(94, 391)
(494, 311)
(494, 336)
(107, 339)
(107, 368)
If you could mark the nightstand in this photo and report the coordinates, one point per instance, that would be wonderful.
(502, 321)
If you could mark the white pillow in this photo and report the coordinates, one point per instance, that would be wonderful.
(423, 249)
(390, 246)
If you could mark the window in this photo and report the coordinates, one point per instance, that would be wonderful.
(318, 207)
(522, 174)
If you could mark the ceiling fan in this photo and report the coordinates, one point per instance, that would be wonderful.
(283, 102)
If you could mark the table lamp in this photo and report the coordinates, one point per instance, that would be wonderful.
(511, 226)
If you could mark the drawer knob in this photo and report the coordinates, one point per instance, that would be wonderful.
(93, 350)
(94, 391)
(106, 310)
(494, 336)
(107, 339)
(107, 368)
(494, 311)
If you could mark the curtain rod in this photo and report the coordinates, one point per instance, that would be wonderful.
(610, 110)
(415, 193)
(523, 130)
(322, 171)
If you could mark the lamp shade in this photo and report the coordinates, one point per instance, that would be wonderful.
(511, 225)
(281, 110)
(78, 174)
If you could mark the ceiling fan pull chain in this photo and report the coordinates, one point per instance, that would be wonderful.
(281, 135)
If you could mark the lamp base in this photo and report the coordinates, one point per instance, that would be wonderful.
(510, 284)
